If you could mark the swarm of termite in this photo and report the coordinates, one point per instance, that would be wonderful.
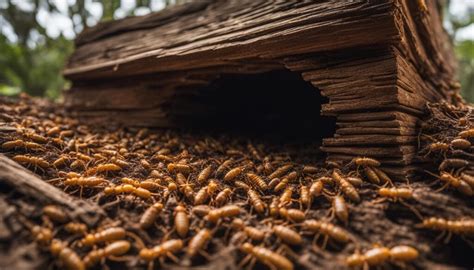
(191, 193)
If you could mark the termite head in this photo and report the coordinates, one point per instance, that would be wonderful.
(56, 247)
(158, 206)
(109, 190)
(128, 188)
(179, 208)
(385, 192)
(147, 254)
(247, 247)
(89, 240)
(237, 223)
(172, 186)
(355, 260)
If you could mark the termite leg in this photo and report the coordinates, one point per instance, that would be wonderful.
(413, 209)
(440, 236)
(172, 257)
(325, 242)
(442, 188)
(137, 239)
(315, 239)
(205, 255)
(448, 237)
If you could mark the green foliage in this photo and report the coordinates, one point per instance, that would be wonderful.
(34, 65)
(465, 54)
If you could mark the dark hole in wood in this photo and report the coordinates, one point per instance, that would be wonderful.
(277, 105)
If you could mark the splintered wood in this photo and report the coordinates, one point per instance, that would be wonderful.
(377, 64)
(168, 199)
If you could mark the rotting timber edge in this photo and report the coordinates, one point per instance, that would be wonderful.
(378, 63)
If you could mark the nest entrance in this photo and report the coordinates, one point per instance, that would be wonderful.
(276, 105)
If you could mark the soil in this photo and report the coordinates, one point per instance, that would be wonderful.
(372, 222)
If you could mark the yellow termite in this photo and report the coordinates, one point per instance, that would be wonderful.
(256, 201)
(268, 257)
(150, 215)
(181, 221)
(113, 249)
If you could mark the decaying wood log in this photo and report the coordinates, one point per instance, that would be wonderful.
(377, 62)
(20, 180)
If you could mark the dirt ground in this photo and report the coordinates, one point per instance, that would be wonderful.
(289, 181)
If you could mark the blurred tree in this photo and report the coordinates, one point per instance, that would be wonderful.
(30, 59)
(32, 56)
(464, 48)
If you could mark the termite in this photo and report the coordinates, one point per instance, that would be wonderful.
(36, 138)
(453, 163)
(67, 257)
(166, 248)
(366, 162)
(280, 171)
(53, 131)
(85, 182)
(201, 210)
(150, 215)
(78, 165)
(119, 162)
(310, 169)
(329, 230)
(204, 175)
(267, 166)
(13, 144)
(198, 242)
(114, 249)
(223, 196)
(35, 161)
(467, 133)
(379, 255)
(382, 176)
(60, 162)
(55, 213)
(287, 235)
(285, 198)
(105, 168)
(371, 175)
(223, 167)
(316, 188)
(181, 221)
(456, 182)
(340, 209)
(222, 212)
(293, 215)
(254, 151)
(256, 201)
(251, 232)
(232, 174)
(274, 207)
(145, 164)
(76, 228)
(460, 144)
(469, 179)
(268, 257)
(177, 167)
(128, 189)
(257, 181)
(461, 227)
(282, 184)
(42, 235)
(107, 235)
(437, 147)
(201, 196)
(241, 185)
(346, 187)
(305, 197)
